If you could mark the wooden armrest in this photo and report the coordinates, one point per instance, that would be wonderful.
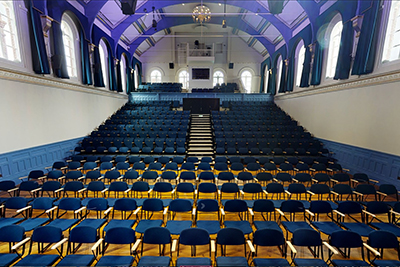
(165, 210)
(58, 190)
(265, 192)
(309, 212)
(23, 177)
(79, 210)
(16, 246)
(222, 211)
(333, 192)
(194, 211)
(35, 190)
(51, 209)
(62, 177)
(375, 181)
(136, 245)
(295, 180)
(280, 212)
(372, 250)
(292, 248)
(315, 181)
(104, 190)
(24, 209)
(137, 211)
(394, 212)
(96, 245)
(339, 213)
(55, 246)
(252, 249)
(358, 193)
(241, 192)
(12, 190)
(213, 246)
(330, 248)
(127, 190)
(80, 191)
(369, 213)
(313, 170)
(382, 194)
(287, 192)
(311, 193)
(108, 210)
(174, 245)
(251, 211)
(333, 180)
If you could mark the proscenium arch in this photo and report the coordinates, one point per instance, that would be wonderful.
(166, 23)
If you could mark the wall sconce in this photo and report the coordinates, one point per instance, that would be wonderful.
(357, 24)
(46, 24)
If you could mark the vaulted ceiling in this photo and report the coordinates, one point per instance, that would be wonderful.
(250, 20)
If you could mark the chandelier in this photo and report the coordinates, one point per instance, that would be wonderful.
(201, 14)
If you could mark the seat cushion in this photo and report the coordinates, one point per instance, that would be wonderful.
(242, 225)
(119, 223)
(64, 224)
(176, 227)
(38, 260)
(154, 261)
(349, 263)
(232, 261)
(211, 226)
(193, 261)
(115, 261)
(95, 223)
(76, 260)
(270, 262)
(386, 263)
(326, 227)
(310, 262)
(267, 225)
(143, 225)
(6, 259)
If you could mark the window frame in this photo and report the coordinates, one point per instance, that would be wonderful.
(185, 84)
(278, 74)
(122, 68)
(67, 20)
(103, 51)
(250, 71)
(298, 58)
(266, 79)
(218, 77)
(151, 76)
(328, 35)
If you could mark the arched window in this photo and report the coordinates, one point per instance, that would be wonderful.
(122, 69)
(333, 49)
(184, 79)
(246, 77)
(9, 45)
(301, 50)
(218, 78)
(69, 40)
(104, 61)
(279, 64)
(155, 76)
(136, 76)
(391, 49)
(266, 79)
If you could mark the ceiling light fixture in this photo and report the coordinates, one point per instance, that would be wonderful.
(154, 24)
(201, 14)
(224, 20)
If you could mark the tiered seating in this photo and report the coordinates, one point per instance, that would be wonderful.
(261, 129)
(223, 88)
(160, 87)
(145, 128)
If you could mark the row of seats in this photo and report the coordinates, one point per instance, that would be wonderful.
(160, 87)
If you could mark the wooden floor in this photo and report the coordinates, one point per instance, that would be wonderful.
(202, 251)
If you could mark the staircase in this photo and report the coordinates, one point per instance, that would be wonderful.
(200, 136)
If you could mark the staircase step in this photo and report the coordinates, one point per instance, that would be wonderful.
(207, 149)
(201, 145)
(208, 142)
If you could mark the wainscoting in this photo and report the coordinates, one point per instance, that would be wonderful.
(380, 166)
(139, 96)
(19, 163)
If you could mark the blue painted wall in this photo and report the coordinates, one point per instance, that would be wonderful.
(380, 166)
(19, 163)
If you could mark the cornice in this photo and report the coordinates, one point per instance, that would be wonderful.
(28, 78)
(344, 85)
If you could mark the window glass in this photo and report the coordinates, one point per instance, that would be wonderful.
(122, 68)
(69, 47)
(391, 49)
(333, 49)
(218, 78)
(184, 79)
(246, 80)
(104, 61)
(155, 76)
(9, 44)
(266, 79)
(299, 63)
(278, 73)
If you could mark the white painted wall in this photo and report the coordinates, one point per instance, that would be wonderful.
(238, 52)
(366, 116)
(37, 111)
